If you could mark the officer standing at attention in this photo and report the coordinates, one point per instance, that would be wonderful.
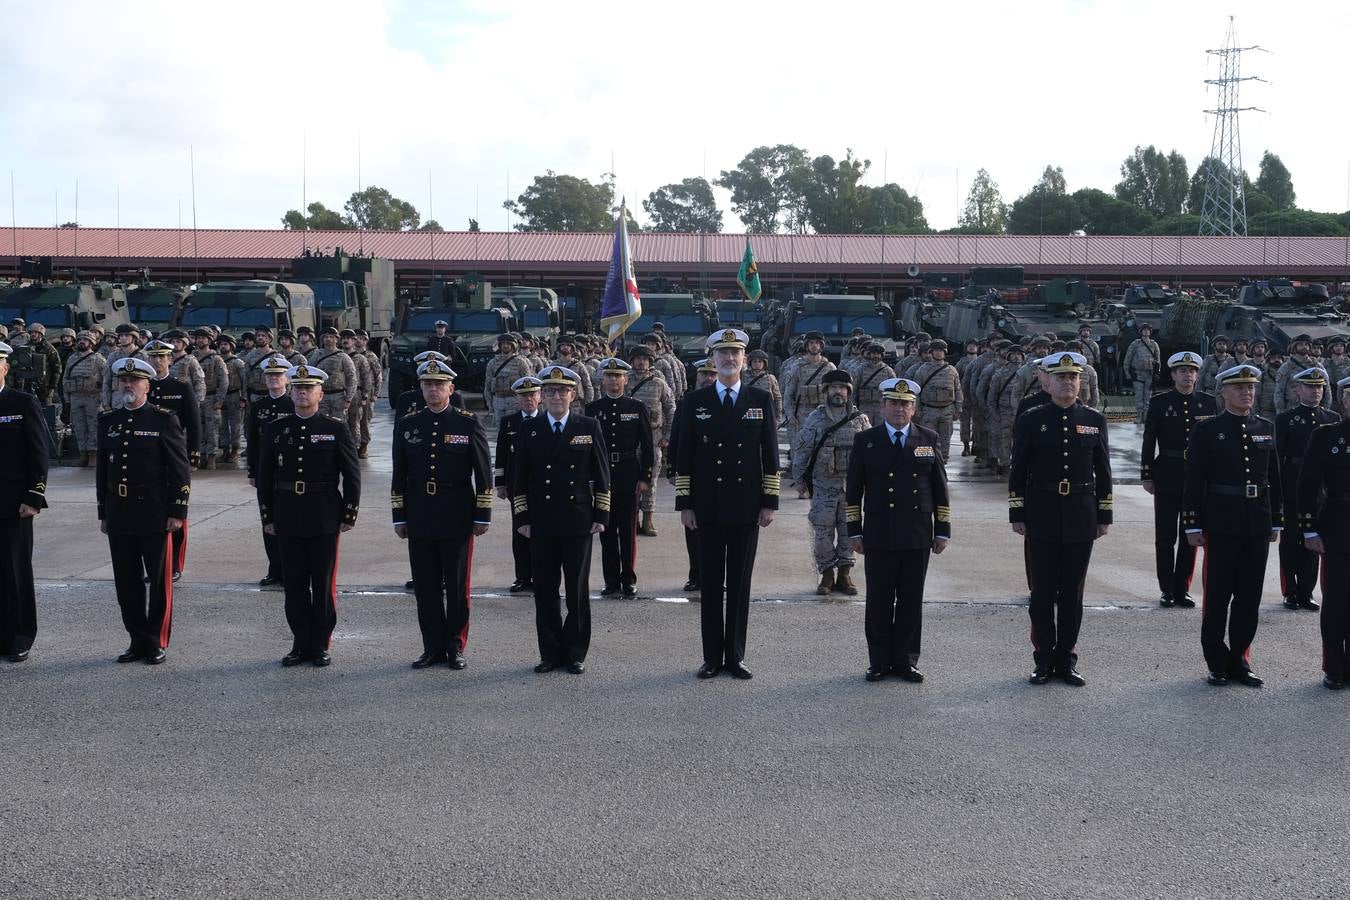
(365, 387)
(1141, 363)
(803, 390)
(906, 519)
(167, 392)
(940, 396)
(23, 494)
(1162, 469)
(273, 405)
(726, 489)
(1059, 497)
(705, 375)
(1233, 504)
(1293, 429)
(628, 437)
(527, 397)
(560, 490)
(1324, 519)
(309, 485)
(216, 379)
(142, 483)
(410, 401)
(440, 456)
(650, 388)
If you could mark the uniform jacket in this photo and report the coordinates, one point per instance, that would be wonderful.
(504, 370)
(23, 447)
(628, 437)
(410, 401)
(939, 386)
(802, 389)
(1227, 457)
(262, 413)
(867, 383)
(309, 479)
(1059, 483)
(1285, 398)
(727, 469)
(653, 392)
(236, 375)
(832, 462)
(1142, 359)
(1293, 429)
(767, 382)
(442, 483)
(177, 397)
(560, 483)
(215, 373)
(84, 373)
(341, 372)
(1324, 487)
(507, 432)
(186, 369)
(896, 497)
(1167, 426)
(143, 476)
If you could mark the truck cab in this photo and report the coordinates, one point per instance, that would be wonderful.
(536, 310)
(686, 318)
(238, 306)
(836, 315)
(474, 320)
(350, 292)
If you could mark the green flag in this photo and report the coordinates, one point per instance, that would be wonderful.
(748, 275)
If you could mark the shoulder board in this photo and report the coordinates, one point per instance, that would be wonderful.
(463, 412)
(334, 419)
(163, 409)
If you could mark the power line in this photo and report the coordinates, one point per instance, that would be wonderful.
(1223, 211)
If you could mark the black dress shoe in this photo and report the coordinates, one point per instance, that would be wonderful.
(132, 654)
(1309, 603)
(1250, 679)
(322, 658)
(1167, 601)
(576, 668)
(611, 590)
(544, 668)
(691, 585)
(519, 587)
(294, 658)
(427, 660)
(408, 585)
(18, 656)
(1040, 676)
(268, 581)
(1069, 675)
(1333, 682)
(909, 673)
(1217, 679)
(874, 673)
(456, 660)
(155, 655)
(630, 591)
(1291, 603)
(708, 670)
(176, 576)
(738, 670)
(1185, 601)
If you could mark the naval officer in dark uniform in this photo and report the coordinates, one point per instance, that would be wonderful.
(1167, 426)
(726, 489)
(177, 397)
(560, 491)
(263, 411)
(1293, 429)
(628, 437)
(1233, 508)
(23, 494)
(142, 484)
(898, 514)
(705, 374)
(1324, 519)
(309, 485)
(1059, 497)
(410, 401)
(440, 456)
(526, 390)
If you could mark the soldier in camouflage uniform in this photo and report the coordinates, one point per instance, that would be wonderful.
(803, 389)
(1001, 400)
(1337, 364)
(1141, 362)
(1213, 364)
(286, 347)
(216, 384)
(1300, 358)
(664, 363)
(503, 370)
(184, 367)
(972, 353)
(940, 397)
(126, 346)
(255, 386)
(83, 383)
(971, 388)
(758, 375)
(339, 389)
(854, 360)
(568, 358)
(868, 378)
(823, 449)
(648, 386)
(365, 387)
(1092, 350)
(377, 379)
(1266, 387)
(233, 409)
(1089, 386)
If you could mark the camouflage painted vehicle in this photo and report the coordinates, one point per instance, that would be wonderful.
(474, 320)
(154, 306)
(237, 306)
(350, 292)
(686, 318)
(75, 304)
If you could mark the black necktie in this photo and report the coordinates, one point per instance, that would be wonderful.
(557, 428)
(726, 399)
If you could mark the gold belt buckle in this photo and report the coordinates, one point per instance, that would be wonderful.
(1065, 488)
(431, 488)
(121, 490)
(1252, 491)
(299, 487)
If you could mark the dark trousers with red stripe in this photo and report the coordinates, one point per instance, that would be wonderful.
(180, 548)
(1298, 564)
(309, 574)
(562, 562)
(1335, 613)
(618, 542)
(1058, 571)
(440, 571)
(726, 559)
(893, 619)
(1235, 567)
(18, 603)
(147, 610)
(1174, 555)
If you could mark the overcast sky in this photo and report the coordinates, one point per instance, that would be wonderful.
(473, 93)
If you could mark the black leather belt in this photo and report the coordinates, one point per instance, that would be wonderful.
(1248, 491)
(303, 487)
(1065, 488)
(621, 455)
(1171, 454)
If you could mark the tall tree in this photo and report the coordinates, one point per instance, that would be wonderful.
(377, 209)
(1274, 180)
(1196, 199)
(1153, 181)
(319, 218)
(1046, 208)
(430, 225)
(985, 212)
(766, 188)
(556, 202)
(831, 195)
(686, 206)
(1101, 213)
(890, 209)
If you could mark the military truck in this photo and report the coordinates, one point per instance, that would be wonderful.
(536, 309)
(350, 292)
(834, 316)
(686, 318)
(1276, 311)
(473, 318)
(749, 317)
(37, 297)
(154, 306)
(237, 306)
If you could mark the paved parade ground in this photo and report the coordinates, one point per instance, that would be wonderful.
(220, 773)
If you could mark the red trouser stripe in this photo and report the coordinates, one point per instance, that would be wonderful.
(168, 591)
(468, 576)
(181, 557)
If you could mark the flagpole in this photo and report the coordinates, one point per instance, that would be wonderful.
(624, 261)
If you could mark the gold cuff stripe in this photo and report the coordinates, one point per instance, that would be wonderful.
(520, 505)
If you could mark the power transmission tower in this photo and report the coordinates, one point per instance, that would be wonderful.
(1224, 209)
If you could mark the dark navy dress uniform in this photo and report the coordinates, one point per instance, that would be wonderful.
(309, 484)
(23, 481)
(1234, 496)
(177, 397)
(262, 413)
(690, 535)
(507, 432)
(1324, 511)
(442, 487)
(628, 438)
(896, 499)
(143, 478)
(1298, 565)
(411, 401)
(1059, 486)
(1167, 426)
(560, 488)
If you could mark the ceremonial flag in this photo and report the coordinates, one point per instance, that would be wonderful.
(621, 306)
(748, 275)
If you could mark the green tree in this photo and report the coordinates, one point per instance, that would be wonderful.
(890, 209)
(376, 209)
(1273, 180)
(1046, 208)
(985, 212)
(319, 218)
(1101, 213)
(473, 225)
(1196, 201)
(1153, 181)
(766, 188)
(430, 225)
(1184, 224)
(687, 206)
(556, 202)
(831, 194)
(1295, 223)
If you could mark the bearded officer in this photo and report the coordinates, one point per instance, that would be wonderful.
(1233, 508)
(23, 494)
(1293, 428)
(820, 461)
(273, 405)
(1162, 468)
(1059, 497)
(907, 518)
(1324, 519)
(726, 488)
(561, 497)
(628, 437)
(309, 479)
(527, 398)
(142, 483)
(440, 456)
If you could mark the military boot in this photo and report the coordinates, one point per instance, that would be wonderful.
(209, 461)
(364, 451)
(648, 528)
(844, 584)
(826, 583)
(966, 451)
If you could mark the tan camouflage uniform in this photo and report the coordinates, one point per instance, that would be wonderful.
(215, 385)
(341, 386)
(652, 391)
(940, 400)
(828, 514)
(503, 370)
(83, 383)
(867, 387)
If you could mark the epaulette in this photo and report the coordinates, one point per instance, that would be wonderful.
(463, 412)
(334, 418)
(163, 409)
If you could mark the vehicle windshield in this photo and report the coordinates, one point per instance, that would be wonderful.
(149, 312)
(479, 321)
(731, 315)
(535, 318)
(675, 323)
(327, 294)
(225, 316)
(58, 316)
(873, 325)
